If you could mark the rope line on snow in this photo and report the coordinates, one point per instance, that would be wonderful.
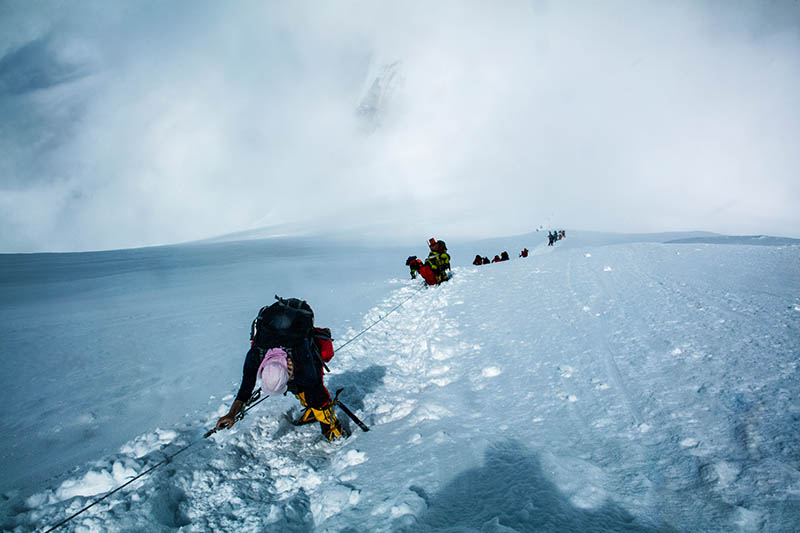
(395, 308)
(106, 495)
(167, 459)
(248, 406)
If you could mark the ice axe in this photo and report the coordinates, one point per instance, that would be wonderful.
(348, 412)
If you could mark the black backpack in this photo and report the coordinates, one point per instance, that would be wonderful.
(286, 323)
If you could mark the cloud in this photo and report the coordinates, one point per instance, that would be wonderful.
(153, 123)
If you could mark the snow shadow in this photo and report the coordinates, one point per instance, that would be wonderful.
(512, 492)
(167, 506)
(357, 385)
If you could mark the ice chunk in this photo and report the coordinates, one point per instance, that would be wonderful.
(491, 371)
(144, 444)
(96, 482)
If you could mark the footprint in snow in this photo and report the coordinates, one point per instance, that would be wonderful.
(720, 474)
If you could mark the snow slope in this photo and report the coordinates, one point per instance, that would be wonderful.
(100, 347)
(589, 387)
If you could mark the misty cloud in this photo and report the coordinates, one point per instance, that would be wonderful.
(152, 123)
(34, 66)
(377, 97)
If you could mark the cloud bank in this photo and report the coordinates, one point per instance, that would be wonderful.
(148, 123)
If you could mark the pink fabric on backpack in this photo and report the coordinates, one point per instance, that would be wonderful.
(274, 371)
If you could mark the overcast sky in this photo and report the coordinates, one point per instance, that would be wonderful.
(134, 123)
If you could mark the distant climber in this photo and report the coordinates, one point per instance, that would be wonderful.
(414, 264)
(504, 256)
(524, 252)
(478, 260)
(434, 271)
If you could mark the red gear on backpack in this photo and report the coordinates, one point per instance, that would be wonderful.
(427, 274)
(324, 342)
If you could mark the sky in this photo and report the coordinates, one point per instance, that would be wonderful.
(133, 124)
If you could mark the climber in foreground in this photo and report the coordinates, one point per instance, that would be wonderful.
(288, 353)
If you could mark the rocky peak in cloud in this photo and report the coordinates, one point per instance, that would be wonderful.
(381, 84)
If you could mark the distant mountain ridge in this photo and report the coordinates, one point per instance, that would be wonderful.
(755, 240)
(573, 238)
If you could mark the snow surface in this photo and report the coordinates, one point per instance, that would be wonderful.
(590, 387)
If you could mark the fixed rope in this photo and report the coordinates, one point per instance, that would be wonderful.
(395, 308)
(106, 495)
(249, 405)
(252, 402)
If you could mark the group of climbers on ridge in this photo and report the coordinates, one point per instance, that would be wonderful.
(503, 256)
(485, 260)
(554, 236)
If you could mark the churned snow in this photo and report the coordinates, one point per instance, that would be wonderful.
(496, 401)
(148, 443)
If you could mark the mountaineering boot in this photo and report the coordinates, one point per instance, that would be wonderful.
(332, 432)
(330, 426)
(306, 418)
